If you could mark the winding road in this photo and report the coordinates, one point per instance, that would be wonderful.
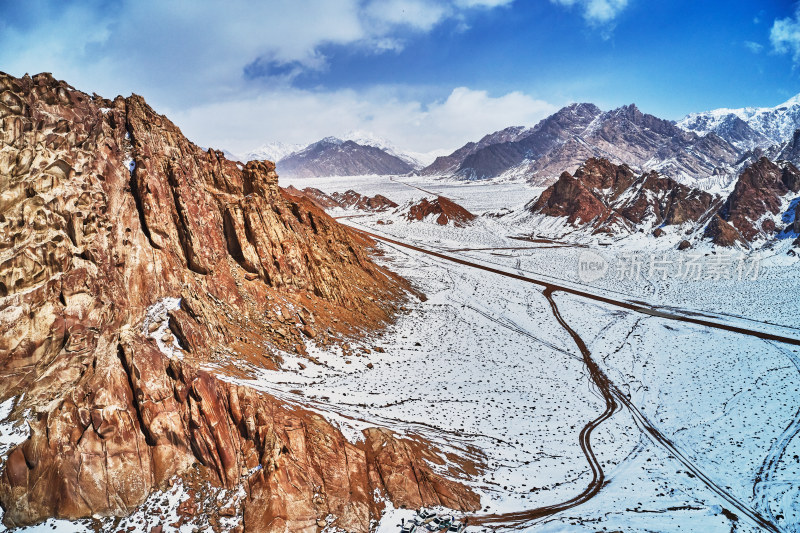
(638, 307)
(614, 398)
(598, 477)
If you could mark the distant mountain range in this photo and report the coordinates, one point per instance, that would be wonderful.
(563, 141)
(707, 150)
(335, 157)
(749, 127)
(357, 153)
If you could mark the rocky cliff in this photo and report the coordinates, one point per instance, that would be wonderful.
(753, 210)
(611, 198)
(135, 270)
(346, 200)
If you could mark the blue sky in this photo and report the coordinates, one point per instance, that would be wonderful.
(426, 74)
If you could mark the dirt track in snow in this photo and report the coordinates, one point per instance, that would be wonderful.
(613, 396)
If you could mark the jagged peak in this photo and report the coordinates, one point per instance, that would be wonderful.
(330, 140)
(628, 111)
(791, 102)
(580, 105)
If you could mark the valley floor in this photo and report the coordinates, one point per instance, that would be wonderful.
(708, 443)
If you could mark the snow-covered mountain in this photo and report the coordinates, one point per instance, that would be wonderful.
(456, 162)
(274, 151)
(337, 157)
(564, 140)
(416, 159)
(749, 127)
(641, 141)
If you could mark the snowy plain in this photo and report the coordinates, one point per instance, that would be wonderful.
(483, 362)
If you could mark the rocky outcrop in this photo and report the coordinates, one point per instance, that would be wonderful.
(757, 198)
(723, 233)
(796, 225)
(319, 198)
(130, 259)
(568, 197)
(609, 198)
(335, 157)
(444, 209)
(353, 200)
(347, 200)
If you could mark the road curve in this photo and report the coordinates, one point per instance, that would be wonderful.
(612, 395)
(598, 476)
(631, 306)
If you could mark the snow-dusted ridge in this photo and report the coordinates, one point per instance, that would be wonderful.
(767, 125)
(276, 151)
(273, 151)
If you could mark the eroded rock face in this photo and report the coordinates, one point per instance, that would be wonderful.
(347, 200)
(723, 233)
(612, 199)
(353, 200)
(797, 219)
(444, 209)
(106, 212)
(759, 193)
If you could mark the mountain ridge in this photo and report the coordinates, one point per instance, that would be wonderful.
(332, 156)
(748, 127)
(701, 148)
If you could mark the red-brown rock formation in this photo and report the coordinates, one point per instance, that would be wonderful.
(444, 209)
(106, 210)
(347, 200)
(796, 225)
(353, 200)
(610, 198)
(759, 193)
(723, 233)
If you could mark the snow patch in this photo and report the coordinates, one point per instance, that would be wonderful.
(156, 316)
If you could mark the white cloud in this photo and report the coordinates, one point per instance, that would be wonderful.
(189, 59)
(483, 3)
(596, 12)
(295, 116)
(785, 35)
(754, 47)
(195, 51)
(416, 14)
